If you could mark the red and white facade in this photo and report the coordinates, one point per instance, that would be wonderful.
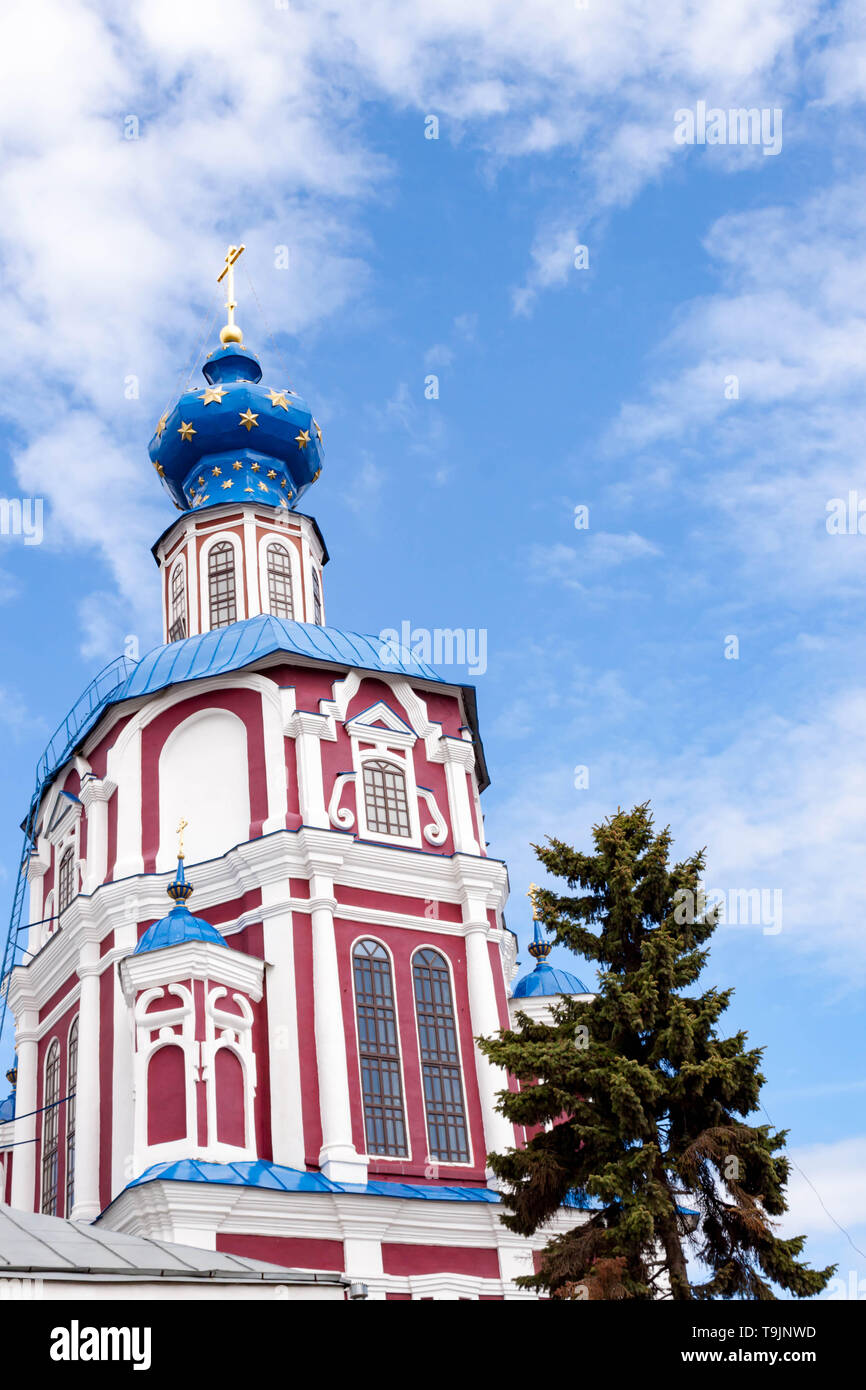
(254, 1050)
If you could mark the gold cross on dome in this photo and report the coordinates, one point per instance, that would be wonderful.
(533, 889)
(230, 333)
(182, 825)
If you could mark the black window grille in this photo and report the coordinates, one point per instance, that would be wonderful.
(280, 582)
(440, 1059)
(71, 1083)
(177, 630)
(221, 585)
(51, 1130)
(317, 598)
(379, 1050)
(67, 886)
(385, 804)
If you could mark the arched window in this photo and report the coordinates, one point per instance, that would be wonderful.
(51, 1129)
(221, 584)
(385, 804)
(317, 597)
(379, 1051)
(67, 886)
(71, 1083)
(440, 1059)
(280, 582)
(177, 628)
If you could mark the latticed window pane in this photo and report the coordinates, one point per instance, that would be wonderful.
(440, 1059)
(71, 1084)
(317, 598)
(50, 1130)
(221, 585)
(67, 886)
(379, 1050)
(177, 629)
(385, 799)
(280, 582)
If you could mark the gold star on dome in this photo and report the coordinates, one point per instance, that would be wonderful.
(201, 477)
(159, 468)
(227, 483)
(272, 472)
(249, 419)
(318, 431)
(248, 489)
(317, 474)
(282, 482)
(186, 431)
(302, 439)
(255, 468)
(278, 398)
(237, 465)
(216, 471)
(264, 487)
(213, 393)
(161, 426)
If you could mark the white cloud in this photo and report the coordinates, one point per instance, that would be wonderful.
(836, 1187)
(579, 566)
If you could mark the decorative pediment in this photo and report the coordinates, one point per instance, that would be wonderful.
(380, 724)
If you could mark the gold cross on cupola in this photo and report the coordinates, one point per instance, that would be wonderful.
(230, 332)
(533, 889)
(182, 825)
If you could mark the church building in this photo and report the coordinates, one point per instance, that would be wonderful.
(277, 1064)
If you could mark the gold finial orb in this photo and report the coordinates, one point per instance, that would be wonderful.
(231, 333)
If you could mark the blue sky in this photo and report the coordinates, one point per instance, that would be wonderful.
(558, 387)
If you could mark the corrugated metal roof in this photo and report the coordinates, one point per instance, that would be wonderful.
(52, 1247)
(231, 649)
(258, 1173)
(547, 979)
(239, 644)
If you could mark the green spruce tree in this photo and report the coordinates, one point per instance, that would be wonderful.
(645, 1103)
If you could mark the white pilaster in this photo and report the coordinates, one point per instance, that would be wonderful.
(95, 795)
(338, 1158)
(251, 565)
(459, 757)
(87, 1205)
(498, 1132)
(308, 730)
(287, 1132)
(24, 1163)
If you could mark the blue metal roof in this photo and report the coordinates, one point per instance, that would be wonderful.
(258, 1173)
(545, 979)
(231, 649)
(238, 645)
(178, 926)
(7, 1108)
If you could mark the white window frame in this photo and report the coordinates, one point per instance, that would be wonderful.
(442, 1163)
(236, 542)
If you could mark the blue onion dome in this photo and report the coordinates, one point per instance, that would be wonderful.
(179, 925)
(234, 440)
(545, 979)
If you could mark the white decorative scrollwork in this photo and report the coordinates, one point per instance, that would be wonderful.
(434, 834)
(339, 816)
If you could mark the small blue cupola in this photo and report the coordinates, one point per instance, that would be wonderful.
(545, 979)
(179, 925)
(7, 1106)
